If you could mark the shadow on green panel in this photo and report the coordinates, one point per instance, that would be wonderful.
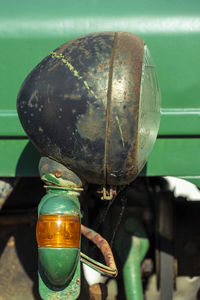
(27, 164)
(144, 171)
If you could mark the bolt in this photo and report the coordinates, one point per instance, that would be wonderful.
(58, 174)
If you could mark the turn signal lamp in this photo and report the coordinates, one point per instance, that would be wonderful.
(58, 231)
(58, 234)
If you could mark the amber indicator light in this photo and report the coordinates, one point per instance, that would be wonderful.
(58, 231)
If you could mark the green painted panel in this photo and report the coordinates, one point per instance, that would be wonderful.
(28, 9)
(31, 29)
(180, 122)
(174, 157)
(18, 157)
(170, 157)
(10, 124)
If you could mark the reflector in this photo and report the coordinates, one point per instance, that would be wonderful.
(58, 231)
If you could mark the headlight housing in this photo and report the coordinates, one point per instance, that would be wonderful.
(93, 105)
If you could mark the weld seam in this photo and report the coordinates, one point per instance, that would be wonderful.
(108, 107)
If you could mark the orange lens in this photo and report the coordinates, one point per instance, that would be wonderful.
(58, 231)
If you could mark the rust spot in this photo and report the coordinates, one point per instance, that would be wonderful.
(125, 96)
(61, 49)
(72, 97)
(53, 67)
(58, 174)
(102, 244)
(100, 66)
(98, 291)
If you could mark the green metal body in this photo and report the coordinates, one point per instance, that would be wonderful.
(30, 30)
(58, 274)
(59, 268)
(132, 235)
(71, 291)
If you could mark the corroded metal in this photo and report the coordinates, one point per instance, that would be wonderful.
(54, 173)
(124, 109)
(81, 107)
(108, 194)
(102, 244)
(98, 291)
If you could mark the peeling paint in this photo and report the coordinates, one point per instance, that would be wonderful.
(33, 96)
(73, 70)
(120, 130)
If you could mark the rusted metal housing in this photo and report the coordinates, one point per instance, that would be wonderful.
(87, 105)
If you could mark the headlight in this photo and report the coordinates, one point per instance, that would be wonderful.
(93, 105)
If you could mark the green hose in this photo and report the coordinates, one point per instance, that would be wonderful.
(134, 245)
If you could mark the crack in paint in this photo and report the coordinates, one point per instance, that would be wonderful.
(120, 130)
(108, 106)
(73, 70)
(33, 96)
